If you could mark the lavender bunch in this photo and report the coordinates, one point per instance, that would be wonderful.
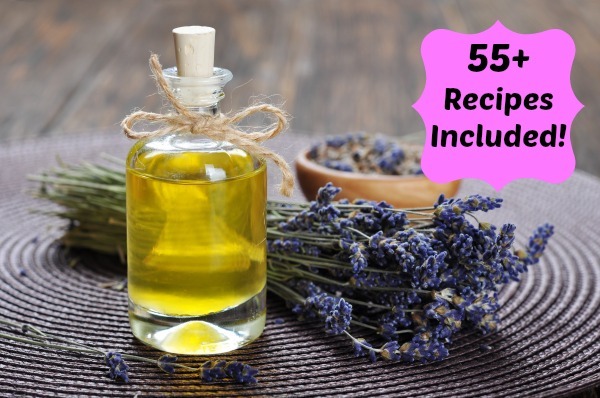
(413, 277)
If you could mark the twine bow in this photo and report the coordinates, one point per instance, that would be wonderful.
(218, 128)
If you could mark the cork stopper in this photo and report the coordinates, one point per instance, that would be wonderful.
(194, 50)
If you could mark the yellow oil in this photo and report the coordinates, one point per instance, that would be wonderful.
(196, 234)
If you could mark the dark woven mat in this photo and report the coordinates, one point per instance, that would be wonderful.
(548, 343)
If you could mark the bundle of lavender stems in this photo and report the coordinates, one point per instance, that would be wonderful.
(406, 279)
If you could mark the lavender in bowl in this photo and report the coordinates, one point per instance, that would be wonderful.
(370, 167)
(366, 154)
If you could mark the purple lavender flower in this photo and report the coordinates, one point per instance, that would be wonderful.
(462, 246)
(287, 246)
(303, 221)
(360, 350)
(469, 204)
(443, 333)
(537, 243)
(399, 316)
(423, 348)
(380, 217)
(480, 308)
(437, 310)
(390, 322)
(389, 163)
(326, 194)
(313, 153)
(328, 213)
(292, 245)
(213, 370)
(506, 237)
(320, 217)
(440, 310)
(241, 373)
(389, 351)
(480, 260)
(337, 142)
(488, 323)
(338, 165)
(117, 368)
(166, 362)
(509, 260)
(338, 317)
(387, 331)
(334, 311)
(379, 146)
(305, 287)
(450, 213)
(358, 257)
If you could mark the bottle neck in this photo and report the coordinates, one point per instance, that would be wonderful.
(199, 94)
(209, 110)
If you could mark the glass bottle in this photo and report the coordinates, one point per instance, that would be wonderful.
(196, 234)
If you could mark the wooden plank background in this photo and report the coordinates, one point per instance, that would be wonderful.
(338, 66)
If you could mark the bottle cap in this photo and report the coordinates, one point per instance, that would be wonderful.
(194, 50)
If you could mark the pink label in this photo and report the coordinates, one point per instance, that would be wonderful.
(502, 104)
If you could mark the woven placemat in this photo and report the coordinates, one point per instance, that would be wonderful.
(548, 343)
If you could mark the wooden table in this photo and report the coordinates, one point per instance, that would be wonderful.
(69, 66)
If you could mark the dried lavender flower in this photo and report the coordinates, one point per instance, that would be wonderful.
(241, 373)
(117, 368)
(362, 153)
(166, 362)
(237, 371)
(333, 311)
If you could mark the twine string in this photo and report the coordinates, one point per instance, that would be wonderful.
(219, 128)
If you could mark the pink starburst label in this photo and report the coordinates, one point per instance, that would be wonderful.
(498, 105)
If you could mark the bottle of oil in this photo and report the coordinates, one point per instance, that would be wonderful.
(195, 223)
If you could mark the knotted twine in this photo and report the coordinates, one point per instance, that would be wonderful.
(219, 128)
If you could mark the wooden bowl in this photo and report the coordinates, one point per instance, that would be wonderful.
(399, 191)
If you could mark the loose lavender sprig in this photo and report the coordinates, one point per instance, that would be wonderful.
(215, 370)
(115, 361)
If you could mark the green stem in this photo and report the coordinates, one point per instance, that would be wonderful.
(358, 232)
(66, 181)
(364, 325)
(361, 344)
(47, 345)
(374, 305)
(328, 242)
(291, 294)
(318, 262)
(420, 219)
(45, 336)
(319, 278)
(155, 362)
(397, 289)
